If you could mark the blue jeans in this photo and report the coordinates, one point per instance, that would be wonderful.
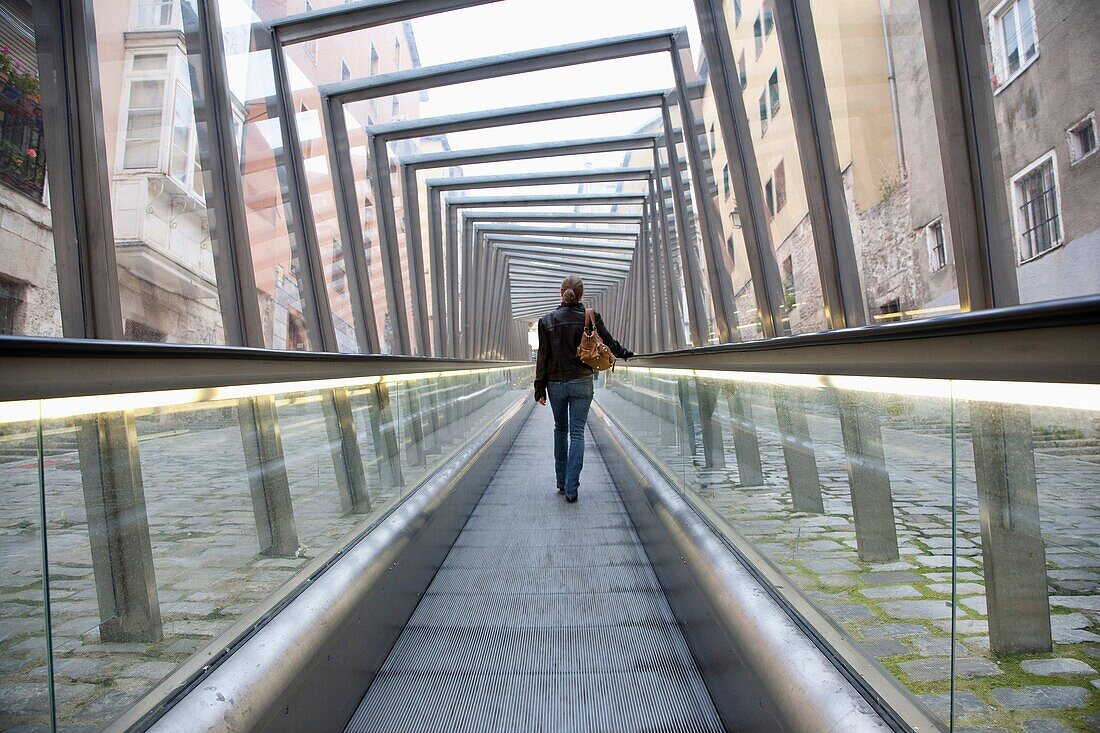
(570, 402)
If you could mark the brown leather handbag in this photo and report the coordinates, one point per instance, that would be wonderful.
(593, 351)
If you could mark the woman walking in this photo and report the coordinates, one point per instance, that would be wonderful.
(567, 381)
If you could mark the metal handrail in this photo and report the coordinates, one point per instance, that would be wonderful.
(1055, 341)
(42, 368)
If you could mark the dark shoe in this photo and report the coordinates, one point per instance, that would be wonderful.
(561, 489)
(570, 499)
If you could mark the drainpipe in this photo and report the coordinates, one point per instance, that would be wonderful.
(893, 87)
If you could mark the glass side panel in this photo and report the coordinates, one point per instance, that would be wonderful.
(24, 676)
(884, 127)
(943, 542)
(29, 303)
(1040, 66)
(176, 520)
(163, 243)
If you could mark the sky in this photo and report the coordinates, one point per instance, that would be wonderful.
(516, 25)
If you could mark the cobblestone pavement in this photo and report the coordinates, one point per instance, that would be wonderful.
(205, 550)
(900, 612)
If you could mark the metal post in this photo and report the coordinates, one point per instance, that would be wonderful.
(744, 171)
(414, 238)
(346, 200)
(387, 234)
(710, 224)
(698, 316)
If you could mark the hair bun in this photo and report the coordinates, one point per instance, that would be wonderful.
(569, 296)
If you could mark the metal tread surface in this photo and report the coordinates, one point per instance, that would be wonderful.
(545, 616)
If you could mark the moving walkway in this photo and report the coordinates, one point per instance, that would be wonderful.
(255, 541)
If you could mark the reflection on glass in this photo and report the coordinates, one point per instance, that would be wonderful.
(1040, 60)
(29, 304)
(174, 521)
(963, 542)
(876, 77)
(24, 680)
(764, 91)
(162, 231)
(263, 169)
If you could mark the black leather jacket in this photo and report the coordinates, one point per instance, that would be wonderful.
(559, 337)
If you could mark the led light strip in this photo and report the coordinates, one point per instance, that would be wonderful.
(1036, 394)
(64, 407)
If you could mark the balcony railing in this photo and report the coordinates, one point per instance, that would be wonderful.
(22, 162)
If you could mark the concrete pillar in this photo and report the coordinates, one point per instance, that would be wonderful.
(685, 418)
(410, 420)
(714, 452)
(1012, 542)
(267, 480)
(351, 479)
(384, 434)
(118, 529)
(868, 479)
(746, 446)
(798, 451)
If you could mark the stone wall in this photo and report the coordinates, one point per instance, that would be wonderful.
(27, 259)
(808, 314)
(181, 319)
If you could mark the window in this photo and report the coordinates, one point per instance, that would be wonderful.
(184, 165)
(154, 14)
(1082, 139)
(345, 72)
(730, 250)
(769, 18)
(937, 245)
(395, 107)
(373, 60)
(789, 292)
(713, 141)
(180, 152)
(726, 179)
(134, 331)
(769, 196)
(736, 13)
(758, 34)
(1015, 40)
(143, 120)
(11, 297)
(763, 113)
(889, 311)
(742, 73)
(397, 53)
(773, 91)
(780, 179)
(310, 46)
(1035, 198)
(339, 268)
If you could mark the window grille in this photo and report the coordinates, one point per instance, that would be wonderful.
(1037, 201)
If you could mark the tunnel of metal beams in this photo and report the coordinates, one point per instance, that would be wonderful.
(647, 245)
(646, 236)
(469, 260)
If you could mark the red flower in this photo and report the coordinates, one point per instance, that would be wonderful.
(32, 153)
(4, 48)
